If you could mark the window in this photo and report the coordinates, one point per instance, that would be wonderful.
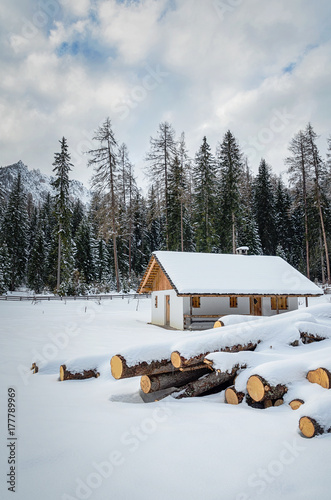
(282, 303)
(233, 301)
(196, 302)
(155, 301)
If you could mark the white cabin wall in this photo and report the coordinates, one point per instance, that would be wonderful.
(176, 309)
(292, 305)
(221, 306)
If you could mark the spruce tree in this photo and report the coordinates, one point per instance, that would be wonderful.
(231, 173)
(15, 226)
(204, 198)
(37, 266)
(63, 212)
(4, 269)
(84, 251)
(264, 207)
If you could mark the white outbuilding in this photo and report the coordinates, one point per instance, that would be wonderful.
(195, 289)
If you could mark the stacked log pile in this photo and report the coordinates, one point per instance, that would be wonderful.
(216, 362)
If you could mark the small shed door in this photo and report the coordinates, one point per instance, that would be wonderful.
(167, 299)
(256, 306)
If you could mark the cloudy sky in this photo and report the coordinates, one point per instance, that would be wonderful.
(259, 68)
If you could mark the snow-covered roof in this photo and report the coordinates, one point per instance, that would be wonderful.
(218, 274)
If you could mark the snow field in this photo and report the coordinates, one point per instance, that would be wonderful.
(96, 439)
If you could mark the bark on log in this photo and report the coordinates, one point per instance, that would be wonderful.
(120, 369)
(259, 389)
(308, 338)
(233, 397)
(321, 376)
(180, 361)
(310, 427)
(34, 368)
(204, 384)
(153, 383)
(69, 375)
(296, 403)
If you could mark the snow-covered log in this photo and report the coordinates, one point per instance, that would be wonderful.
(34, 368)
(320, 376)
(67, 374)
(233, 397)
(153, 383)
(120, 368)
(204, 384)
(310, 427)
(259, 389)
(179, 360)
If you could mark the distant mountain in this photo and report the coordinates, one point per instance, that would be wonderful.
(37, 184)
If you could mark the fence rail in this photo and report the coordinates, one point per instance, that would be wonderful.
(37, 298)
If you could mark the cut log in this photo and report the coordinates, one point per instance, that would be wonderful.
(296, 403)
(310, 427)
(278, 402)
(120, 369)
(259, 389)
(233, 397)
(73, 375)
(204, 384)
(321, 376)
(153, 383)
(180, 361)
(308, 338)
(196, 367)
(34, 368)
(268, 403)
(218, 324)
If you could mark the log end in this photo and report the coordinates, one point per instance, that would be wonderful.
(296, 403)
(320, 376)
(279, 402)
(145, 384)
(307, 427)
(62, 372)
(176, 359)
(116, 364)
(255, 388)
(218, 324)
(233, 397)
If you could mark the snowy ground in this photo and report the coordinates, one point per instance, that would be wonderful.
(96, 439)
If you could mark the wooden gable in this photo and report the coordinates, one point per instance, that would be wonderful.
(154, 279)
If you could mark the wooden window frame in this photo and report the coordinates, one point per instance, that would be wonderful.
(196, 302)
(233, 301)
(282, 303)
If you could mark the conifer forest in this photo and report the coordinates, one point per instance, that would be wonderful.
(211, 202)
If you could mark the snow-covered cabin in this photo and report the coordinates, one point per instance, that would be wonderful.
(190, 288)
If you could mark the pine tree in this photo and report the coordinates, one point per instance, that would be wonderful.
(77, 217)
(163, 149)
(283, 220)
(15, 226)
(264, 207)
(204, 198)
(231, 172)
(300, 176)
(154, 223)
(63, 212)
(104, 162)
(176, 208)
(319, 171)
(4, 269)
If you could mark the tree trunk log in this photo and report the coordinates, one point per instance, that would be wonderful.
(308, 338)
(204, 384)
(296, 403)
(310, 427)
(68, 375)
(259, 389)
(153, 383)
(120, 369)
(180, 361)
(233, 397)
(321, 376)
(34, 368)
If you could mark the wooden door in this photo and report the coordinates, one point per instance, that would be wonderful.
(256, 306)
(167, 299)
